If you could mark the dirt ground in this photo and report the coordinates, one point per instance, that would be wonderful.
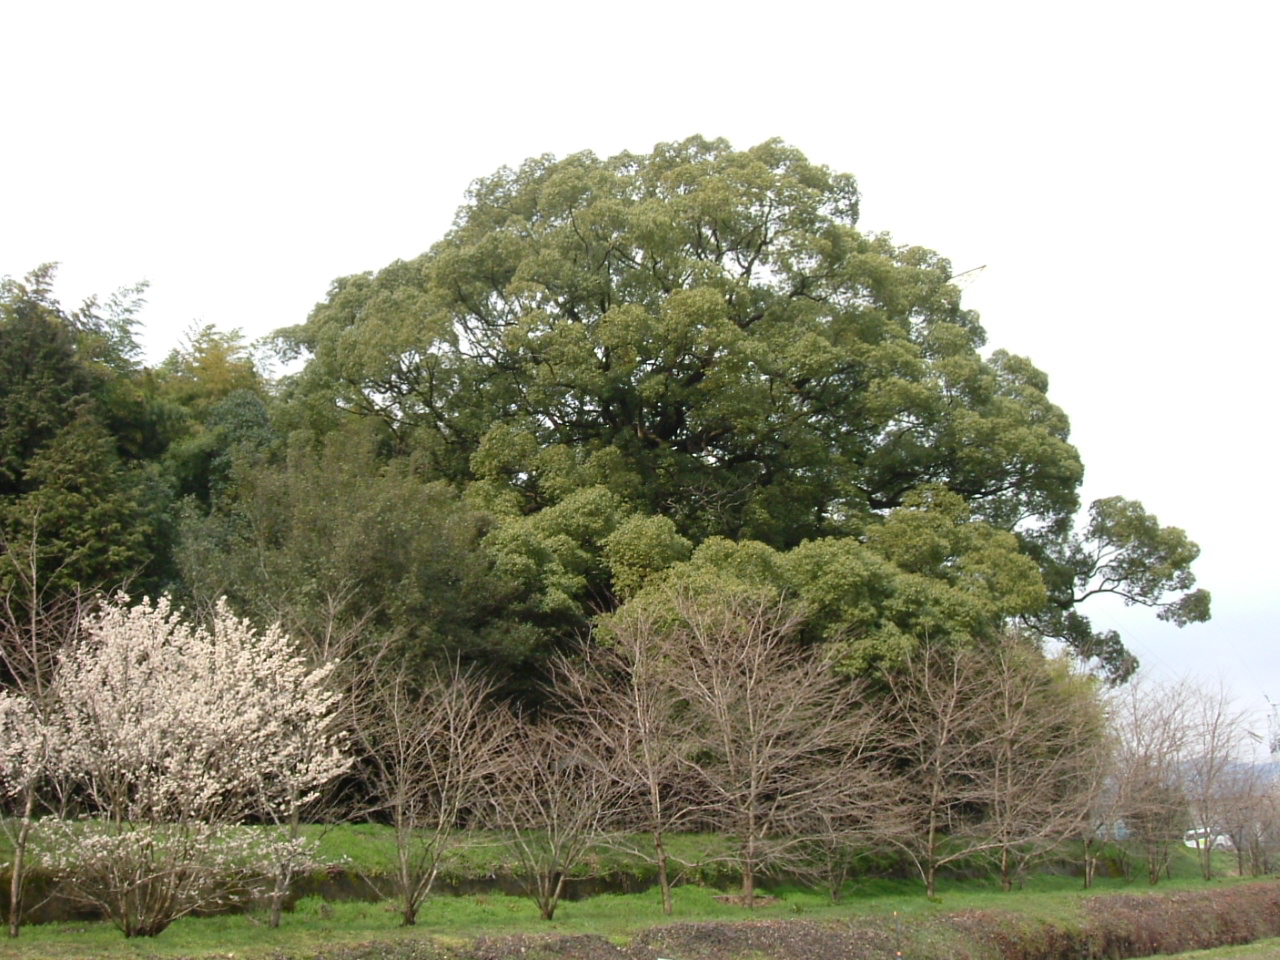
(779, 939)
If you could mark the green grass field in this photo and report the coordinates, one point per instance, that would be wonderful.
(315, 926)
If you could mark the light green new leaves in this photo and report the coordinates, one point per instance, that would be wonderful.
(930, 572)
(590, 538)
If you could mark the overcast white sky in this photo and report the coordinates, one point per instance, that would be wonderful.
(1114, 166)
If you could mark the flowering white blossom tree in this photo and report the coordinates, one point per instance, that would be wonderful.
(25, 745)
(175, 734)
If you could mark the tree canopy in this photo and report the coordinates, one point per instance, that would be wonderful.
(695, 356)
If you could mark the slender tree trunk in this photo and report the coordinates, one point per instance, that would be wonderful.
(551, 895)
(835, 881)
(664, 878)
(19, 861)
(284, 876)
(931, 867)
(408, 898)
(749, 865)
(416, 895)
(544, 896)
(277, 897)
(1006, 882)
(404, 838)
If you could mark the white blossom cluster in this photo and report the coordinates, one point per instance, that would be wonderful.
(167, 721)
(90, 848)
(24, 743)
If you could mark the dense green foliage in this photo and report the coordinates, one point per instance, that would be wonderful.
(336, 539)
(76, 494)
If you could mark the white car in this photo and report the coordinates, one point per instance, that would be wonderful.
(1198, 838)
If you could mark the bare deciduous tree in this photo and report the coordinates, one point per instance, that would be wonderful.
(942, 744)
(37, 623)
(1043, 763)
(1247, 813)
(1265, 848)
(782, 747)
(1151, 726)
(332, 633)
(554, 797)
(839, 837)
(1102, 805)
(620, 693)
(1214, 755)
(998, 749)
(431, 746)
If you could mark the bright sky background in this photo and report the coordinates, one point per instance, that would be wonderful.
(1113, 164)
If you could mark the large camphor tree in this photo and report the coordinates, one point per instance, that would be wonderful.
(649, 365)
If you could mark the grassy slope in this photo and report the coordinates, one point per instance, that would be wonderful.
(369, 848)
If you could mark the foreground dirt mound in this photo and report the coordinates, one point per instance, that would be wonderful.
(528, 947)
(781, 939)
(1175, 923)
(1112, 927)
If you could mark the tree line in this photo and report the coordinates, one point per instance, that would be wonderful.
(157, 767)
